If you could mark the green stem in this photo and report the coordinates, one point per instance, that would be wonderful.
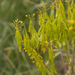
(72, 71)
(47, 70)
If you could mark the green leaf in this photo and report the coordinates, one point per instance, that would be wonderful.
(52, 66)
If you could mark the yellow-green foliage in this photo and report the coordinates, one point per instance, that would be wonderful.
(58, 28)
(18, 37)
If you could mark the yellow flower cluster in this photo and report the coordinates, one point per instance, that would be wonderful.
(21, 22)
(18, 21)
(29, 15)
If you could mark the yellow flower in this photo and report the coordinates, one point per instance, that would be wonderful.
(46, 43)
(21, 22)
(33, 57)
(25, 50)
(51, 41)
(26, 15)
(17, 19)
(72, 22)
(33, 61)
(33, 14)
(70, 28)
(52, 2)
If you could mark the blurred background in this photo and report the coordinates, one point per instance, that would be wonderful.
(13, 62)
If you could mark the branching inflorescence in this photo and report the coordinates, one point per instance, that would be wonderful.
(58, 29)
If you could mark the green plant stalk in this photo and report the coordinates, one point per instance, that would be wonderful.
(68, 60)
(72, 71)
(46, 68)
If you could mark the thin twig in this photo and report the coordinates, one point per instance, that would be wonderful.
(48, 70)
